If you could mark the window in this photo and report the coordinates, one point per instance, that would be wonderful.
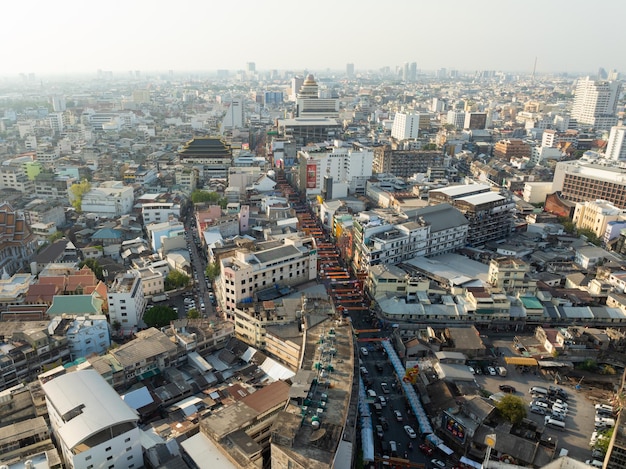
(129, 457)
(109, 448)
(109, 458)
(88, 458)
(129, 448)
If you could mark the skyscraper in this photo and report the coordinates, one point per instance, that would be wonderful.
(251, 68)
(350, 70)
(405, 126)
(616, 147)
(595, 103)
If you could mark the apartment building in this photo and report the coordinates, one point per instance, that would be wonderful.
(490, 214)
(126, 301)
(511, 275)
(406, 163)
(595, 103)
(86, 335)
(157, 212)
(430, 231)
(13, 177)
(291, 261)
(595, 216)
(553, 138)
(616, 146)
(510, 149)
(406, 125)
(91, 423)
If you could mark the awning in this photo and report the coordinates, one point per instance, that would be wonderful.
(523, 361)
(445, 449)
(469, 462)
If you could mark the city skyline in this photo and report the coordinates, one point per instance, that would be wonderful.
(66, 37)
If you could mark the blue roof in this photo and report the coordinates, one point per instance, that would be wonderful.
(107, 233)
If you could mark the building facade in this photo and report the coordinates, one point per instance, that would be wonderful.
(595, 103)
(126, 301)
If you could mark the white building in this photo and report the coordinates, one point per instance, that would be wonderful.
(247, 272)
(310, 104)
(335, 171)
(166, 229)
(536, 192)
(595, 103)
(14, 177)
(157, 212)
(405, 126)
(615, 148)
(456, 118)
(111, 199)
(234, 118)
(595, 216)
(86, 335)
(93, 426)
(126, 301)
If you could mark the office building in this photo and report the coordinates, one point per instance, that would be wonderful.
(456, 118)
(305, 130)
(490, 214)
(234, 118)
(408, 125)
(310, 105)
(616, 147)
(350, 70)
(296, 84)
(91, 423)
(595, 103)
(251, 68)
(475, 120)
(579, 181)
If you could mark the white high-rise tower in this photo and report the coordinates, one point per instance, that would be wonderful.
(595, 103)
(616, 147)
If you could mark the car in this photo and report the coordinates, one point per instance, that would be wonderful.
(427, 450)
(492, 370)
(384, 423)
(507, 388)
(188, 300)
(409, 431)
(398, 415)
(557, 416)
(382, 400)
(379, 431)
(537, 410)
(438, 463)
(364, 352)
(471, 370)
(364, 371)
(384, 387)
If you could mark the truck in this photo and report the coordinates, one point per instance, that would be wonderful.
(501, 370)
(158, 298)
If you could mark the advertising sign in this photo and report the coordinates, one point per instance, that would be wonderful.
(311, 176)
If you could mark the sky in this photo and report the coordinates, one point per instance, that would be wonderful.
(67, 36)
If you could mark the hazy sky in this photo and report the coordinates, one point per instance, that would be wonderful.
(63, 36)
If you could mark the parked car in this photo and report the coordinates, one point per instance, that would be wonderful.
(471, 370)
(427, 450)
(409, 431)
(364, 352)
(379, 431)
(384, 387)
(438, 463)
(507, 388)
(492, 370)
(537, 410)
(384, 423)
(382, 400)
(398, 415)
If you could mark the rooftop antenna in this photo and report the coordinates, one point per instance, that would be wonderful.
(534, 69)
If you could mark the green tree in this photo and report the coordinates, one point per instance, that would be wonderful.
(603, 443)
(591, 236)
(212, 271)
(512, 408)
(117, 326)
(55, 237)
(159, 316)
(430, 146)
(95, 267)
(198, 196)
(176, 279)
(77, 191)
(193, 313)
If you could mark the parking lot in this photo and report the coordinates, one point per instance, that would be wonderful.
(579, 423)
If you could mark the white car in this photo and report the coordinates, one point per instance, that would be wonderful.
(438, 463)
(364, 352)
(409, 431)
(492, 370)
(398, 415)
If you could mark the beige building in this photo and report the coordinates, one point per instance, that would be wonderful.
(383, 280)
(511, 275)
(595, 215)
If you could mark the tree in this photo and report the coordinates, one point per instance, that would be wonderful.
(603, 443)
(77, 191)
(512, 408)
(117, 326)
(176, 279)
(55, 236)
(159, 316)
(430, 146)
(95, 267)
(212, 271)
(198, 197)
(193, 314)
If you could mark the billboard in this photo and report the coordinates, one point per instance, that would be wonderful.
(311, 176)
(454, 428)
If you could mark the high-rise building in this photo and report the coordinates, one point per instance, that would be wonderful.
(455, 118)
(350, 70)
(405, 163)
(616, 147)
(251, 68)
(413, 71)
(407, 125)
(595, 103)
(579, 181)
(234, 118)
(475, 120)
(296, 84)
(310, 104)
(58, 103)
